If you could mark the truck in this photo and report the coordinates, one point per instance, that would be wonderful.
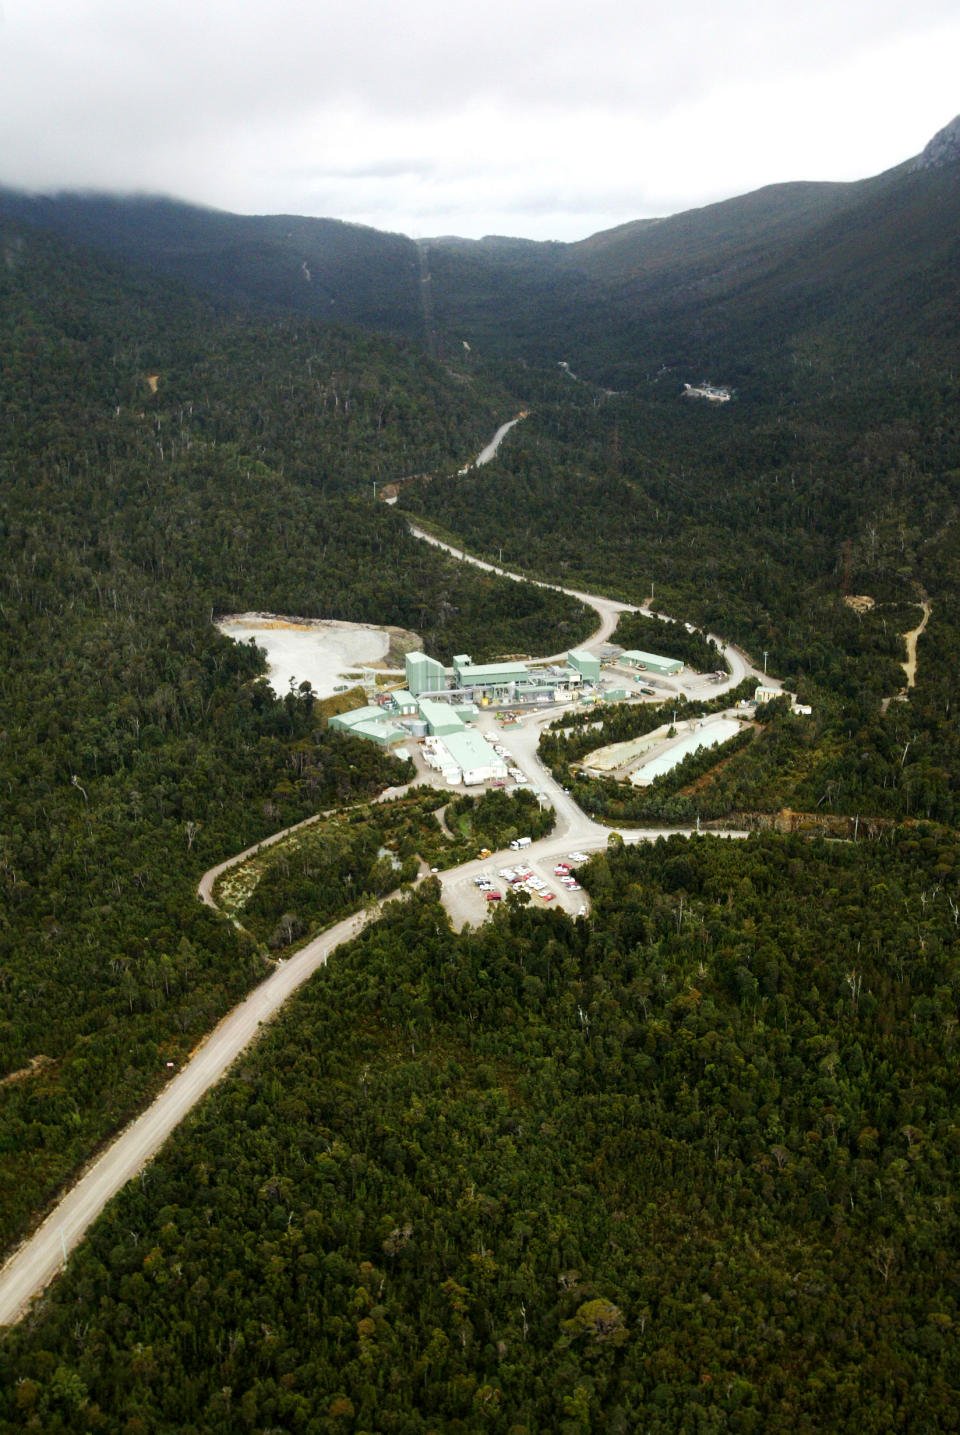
(519, 842)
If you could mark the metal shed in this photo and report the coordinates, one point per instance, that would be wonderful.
(651, 662)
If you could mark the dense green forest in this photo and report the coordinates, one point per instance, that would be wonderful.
(137, 746)
(288, 891)
(689, 1165)
(760, 535)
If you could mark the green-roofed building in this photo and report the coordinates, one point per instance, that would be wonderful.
(439, 717)
(423, 674)
(403, 703)
(468, 674)
(370, 723)
(346, 722)
(382, 731)
(650, 662)
(585, 664)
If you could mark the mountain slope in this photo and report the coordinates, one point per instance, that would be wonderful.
(864, 269)
(717, 290)
(323, 267)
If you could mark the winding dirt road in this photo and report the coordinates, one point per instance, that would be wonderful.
(910, 666)
(608, 611)
(31, 1267)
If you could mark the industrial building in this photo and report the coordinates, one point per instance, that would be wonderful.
(651, 662)
(369, 722)
(475, 758)
(468, 674)
(441, 718)
(460, 754)
(423, 674)
(512, 681)
(437, 706)
(585, 664)
(402, 703)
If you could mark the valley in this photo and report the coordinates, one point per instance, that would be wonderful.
(682, 1159)
(31, 1267)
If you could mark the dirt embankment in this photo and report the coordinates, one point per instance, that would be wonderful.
(812, 824)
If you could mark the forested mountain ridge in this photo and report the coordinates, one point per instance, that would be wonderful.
(707, 291)
(334, 271)
(732, 292)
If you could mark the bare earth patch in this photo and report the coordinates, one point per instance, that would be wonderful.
(324, 652)
(36, 1063)
(859, 602)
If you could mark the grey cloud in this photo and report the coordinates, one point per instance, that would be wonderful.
(426, 109)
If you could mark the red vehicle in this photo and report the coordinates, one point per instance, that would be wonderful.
(493, 896)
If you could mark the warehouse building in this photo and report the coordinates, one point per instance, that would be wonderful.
(441, 719)
(402, 703)
(475, 759)
(585, 664)
(468, 674)
(650, 662)
(423, 674)
(371, 723)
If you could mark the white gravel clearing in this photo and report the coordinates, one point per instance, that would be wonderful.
(321, 651)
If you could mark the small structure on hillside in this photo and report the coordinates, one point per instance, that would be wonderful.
(713, 393)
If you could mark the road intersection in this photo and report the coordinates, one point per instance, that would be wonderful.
(39, 1258)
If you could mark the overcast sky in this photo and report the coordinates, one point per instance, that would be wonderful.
(548, 120)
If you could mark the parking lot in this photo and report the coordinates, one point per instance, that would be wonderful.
(470, 895)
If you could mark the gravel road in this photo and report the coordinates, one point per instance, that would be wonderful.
(39, 1258)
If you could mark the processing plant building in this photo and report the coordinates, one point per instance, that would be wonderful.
(468, 674)
(439, 707)
(424, 675)
(585, 664)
